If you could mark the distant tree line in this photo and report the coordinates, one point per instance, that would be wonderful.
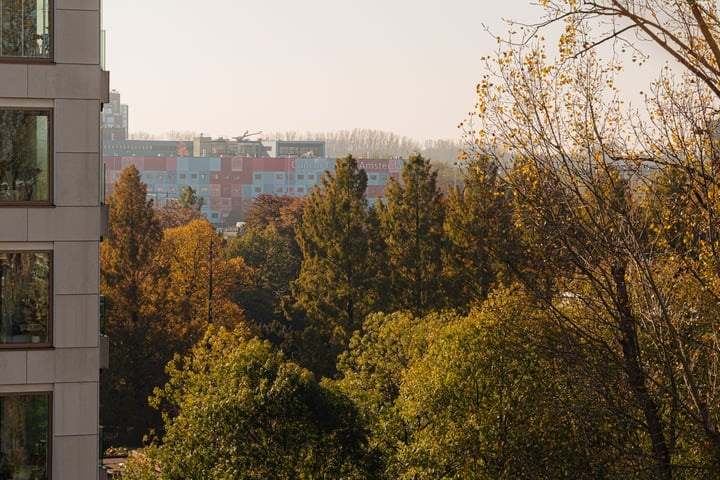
(359, 142)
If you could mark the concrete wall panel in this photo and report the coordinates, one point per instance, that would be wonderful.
(14, 224)
(77, 36)
(13, 367)
(77, 126)
(76, 179)
(77, 268)
(13, 80)
(75, 457)
(76, 321)
(64, 224)
(76, 408)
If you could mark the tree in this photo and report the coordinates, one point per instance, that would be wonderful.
(480, 234)
(235, 409)
(127, 271)
(688, 30)
(199, 285)
(338, 282)
(181, 211)
(575, 179)
(412, 224)
(490, 398)
(372, 371)
(266, 210)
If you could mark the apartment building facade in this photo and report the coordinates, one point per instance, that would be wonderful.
(230, 185)
(52, 87)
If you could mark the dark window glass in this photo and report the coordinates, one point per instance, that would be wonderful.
(25, 28)
(24, 434)
(24, 155)
(25, 291)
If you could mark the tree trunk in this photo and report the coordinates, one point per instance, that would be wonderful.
(636, 375)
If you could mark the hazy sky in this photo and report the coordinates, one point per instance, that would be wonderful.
(221, 67)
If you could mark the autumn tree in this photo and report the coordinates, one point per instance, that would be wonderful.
(127, 271)
(199, 285)
(338, 282)
(412, 225)
(576, 181)
(687, 30)
(181, 211)
(234, 408)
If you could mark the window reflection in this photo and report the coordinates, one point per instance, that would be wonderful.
(25, 28)
(24, 297)
(24, 155)
(24, 432)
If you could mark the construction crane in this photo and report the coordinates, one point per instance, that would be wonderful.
(245, 135)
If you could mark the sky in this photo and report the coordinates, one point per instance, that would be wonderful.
(223, 67)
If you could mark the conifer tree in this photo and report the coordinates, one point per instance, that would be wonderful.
(338, 281)
(412, 224)
(126, 269)
(479, 231)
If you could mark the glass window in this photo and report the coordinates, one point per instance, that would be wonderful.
(193, 176)
(160, 176)
(258, 176)
(182, 176)
(148, 175)
(25, 28)
(301, 177)
(25, 155)
(311, 177)
(25, 292)
(24, 436)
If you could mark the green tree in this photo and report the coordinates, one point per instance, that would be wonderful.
(480, 234)
(412, 224)
(490, 399)
(339, 278)
(235, 409)
(372, 370)
(127, 271)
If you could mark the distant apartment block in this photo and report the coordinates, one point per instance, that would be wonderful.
(231, 184)
(51, 93)
(114, 119)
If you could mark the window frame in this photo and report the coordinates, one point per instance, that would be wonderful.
(50, 159)
(51, 40)
(49, 395)
(51, 288)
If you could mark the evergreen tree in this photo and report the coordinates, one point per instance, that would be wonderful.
(479, 231)
(338, 282)
(412, 224)
(126, 271)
